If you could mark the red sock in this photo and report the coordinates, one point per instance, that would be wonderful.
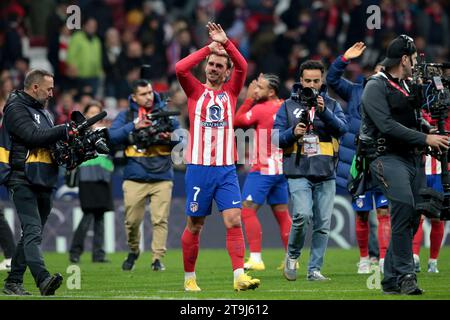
(284, 221)
(236, 247)
(417, 241)
(362, 236)
(190, 245)
(252, 229)
(436, 235)
(384, 233)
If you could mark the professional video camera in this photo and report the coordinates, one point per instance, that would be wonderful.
(431, 92)
(83, 145)
(146, 137)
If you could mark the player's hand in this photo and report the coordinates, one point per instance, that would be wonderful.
(251, 90)
(216, 32)
(437, 142)
(355, 51)
(216, 47)
(300, 130)
(320, 104)
(143, 123)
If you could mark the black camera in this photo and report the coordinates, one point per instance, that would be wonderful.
(431, 92)
(306, 96)
(83, 146)
(146, 137)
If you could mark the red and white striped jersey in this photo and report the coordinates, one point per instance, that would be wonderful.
(267, 158)
(432, 166)
(211, 112)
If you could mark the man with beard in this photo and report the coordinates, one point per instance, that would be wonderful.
(30, 176)
(211, 173)
(266, 179)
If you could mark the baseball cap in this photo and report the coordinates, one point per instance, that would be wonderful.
(400, 46)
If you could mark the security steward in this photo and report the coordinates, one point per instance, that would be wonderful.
(391, 126)
(29, 173)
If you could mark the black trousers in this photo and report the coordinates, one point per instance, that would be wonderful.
(400, 178)
(33, 205)
(6, 237)
(77, 248)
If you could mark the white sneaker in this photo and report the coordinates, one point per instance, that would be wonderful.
(432, 266)
(381, 265)
(316, 276)
(364, 266)
(5, 265)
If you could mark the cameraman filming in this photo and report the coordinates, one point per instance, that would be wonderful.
(32, 176)
(391, 124)
(308, 124)
(148, 172)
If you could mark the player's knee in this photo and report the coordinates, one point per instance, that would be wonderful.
(382, 211)
(363, 216)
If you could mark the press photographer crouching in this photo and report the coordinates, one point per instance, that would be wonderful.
(30, 174)
(308, 126)
(148, 171)
(391, 125)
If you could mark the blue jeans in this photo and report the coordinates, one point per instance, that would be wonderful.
(311, 201)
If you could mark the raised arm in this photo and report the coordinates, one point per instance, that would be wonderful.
(240, 65)
(244, 117)
(188, 82)
(335, 80)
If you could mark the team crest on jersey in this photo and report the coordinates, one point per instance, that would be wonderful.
(222, 97)
(193, 206)
(359, 202)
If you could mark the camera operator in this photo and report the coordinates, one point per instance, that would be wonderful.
(391, 124)
(32, 177)
(309, 164)
(148, 173)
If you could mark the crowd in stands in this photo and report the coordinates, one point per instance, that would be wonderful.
(116, 37)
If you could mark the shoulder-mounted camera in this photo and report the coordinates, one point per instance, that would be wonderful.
(84, 145)
(161, 122)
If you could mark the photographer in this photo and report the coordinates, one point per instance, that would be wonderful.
(391, 124)
(32, 176)
(308, 125)
(148, 172)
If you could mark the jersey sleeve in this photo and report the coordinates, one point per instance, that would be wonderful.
(190, 84)
(240, 68)
(246, 115)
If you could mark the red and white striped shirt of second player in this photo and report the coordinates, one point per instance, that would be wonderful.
(211, 112)
(267, 158)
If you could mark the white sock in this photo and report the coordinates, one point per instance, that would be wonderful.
(255, 256)
(238, 272)
(291, 263)
(416, 257)
(432, 260)
(364, 258)
(188, 275)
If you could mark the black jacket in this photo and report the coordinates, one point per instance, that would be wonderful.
(25, 134)
(379, 118)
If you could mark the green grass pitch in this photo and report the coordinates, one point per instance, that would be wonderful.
(214, 276)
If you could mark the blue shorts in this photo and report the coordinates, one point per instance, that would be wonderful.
(365, 202)
(259, 187)
(205, 183)
(434, 181)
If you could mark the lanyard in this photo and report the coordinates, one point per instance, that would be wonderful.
(396, 86)
(143, 113)
(312, 113)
